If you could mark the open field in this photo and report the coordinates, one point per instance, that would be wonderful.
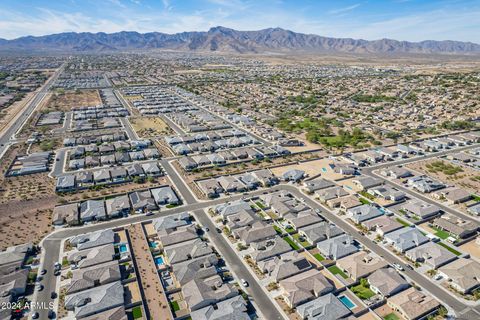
(147, 127)
(25, 221)
(67, 100)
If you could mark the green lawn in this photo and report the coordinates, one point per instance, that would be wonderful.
(364, 201)
(277, 229)
(337, 270)
(455, 252)
(362, 292)
(405, 223)
(137, 312)
(319, 257)
(303, 243)
(367, 195)
(290, 230)
(291, 243)
(391, 316)
(442, 234)
(476, 198)
(260, 205)
(174, 305)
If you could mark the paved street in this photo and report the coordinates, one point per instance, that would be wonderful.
(17, 123)
(51, 244)
(441, 294)
(239, 268)
(371, 171)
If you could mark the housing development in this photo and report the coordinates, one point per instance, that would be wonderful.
(189, 185)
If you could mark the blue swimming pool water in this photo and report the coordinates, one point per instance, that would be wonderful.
(324, 169)
(347, 302)
(123, 248)
(159, 261)
(152, 244)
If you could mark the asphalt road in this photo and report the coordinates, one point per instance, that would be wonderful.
(235, 263)
(52, 242)
(27, 112)
(370, 171)
(463, 311)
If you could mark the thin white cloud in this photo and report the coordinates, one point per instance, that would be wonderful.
(344, 9)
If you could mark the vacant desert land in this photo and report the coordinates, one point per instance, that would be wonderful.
(150, 126)
(68, 100)
(445, 171)
(313, 168)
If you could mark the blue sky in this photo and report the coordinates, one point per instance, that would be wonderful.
(412, 20)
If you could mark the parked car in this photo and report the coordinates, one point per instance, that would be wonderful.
(244, 282)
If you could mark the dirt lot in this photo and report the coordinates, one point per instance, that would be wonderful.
(312, 168)
(147, 127)
(26, 204)
(68, 100)
(463, 178)
(152, 288)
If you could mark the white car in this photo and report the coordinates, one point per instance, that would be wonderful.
(398, 266)
(244, 282)
(437, 277)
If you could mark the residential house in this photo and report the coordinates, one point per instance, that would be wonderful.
(304, 286)
(360, 264)
(165, 195)
(294, 175)
(382, 225)
(118, 206)
(338, 247)
(269, 248)
(93, 239)
(462, 274)
(90, 277)
(317, 232)
(405, 239)
(92, 256)
(363, 213)
(421, 209)
(431, 254)
(187, 250)
(364, 183)
(95, 300)
(142, 201)
(387, 282)
(326, 307)
(65, 214)
(413, 304)
(234, 308)
(317, 184)
(92, 210)
(284, 266)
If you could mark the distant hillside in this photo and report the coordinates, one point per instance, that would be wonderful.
(222, 39)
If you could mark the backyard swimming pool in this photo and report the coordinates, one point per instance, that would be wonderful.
(159, 261)
(152, 244)
(123, 248)
(347, 302)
